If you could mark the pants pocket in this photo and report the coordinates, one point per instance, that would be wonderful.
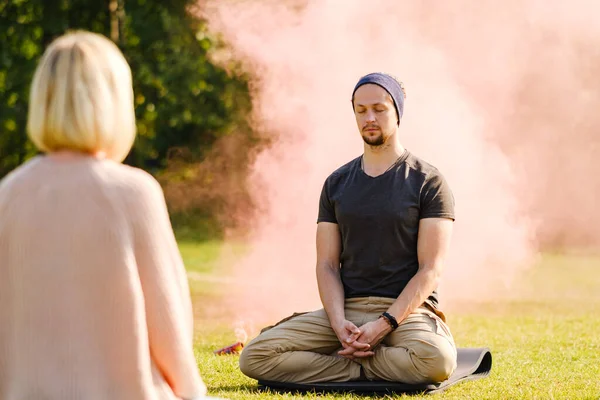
(440, 327)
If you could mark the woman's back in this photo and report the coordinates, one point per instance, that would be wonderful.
(74, 257)
(94, 299)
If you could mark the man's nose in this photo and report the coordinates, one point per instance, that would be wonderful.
(370, 116)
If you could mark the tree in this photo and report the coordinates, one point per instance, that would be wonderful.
(182, 99)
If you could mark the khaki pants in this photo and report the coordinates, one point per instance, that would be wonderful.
(304, 348)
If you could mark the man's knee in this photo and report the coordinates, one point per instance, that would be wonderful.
(253, 359)
(245, 363)
(436, 363)
(440, 368)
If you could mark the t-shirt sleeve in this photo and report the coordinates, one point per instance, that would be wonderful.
(326, 208)
(437, 200)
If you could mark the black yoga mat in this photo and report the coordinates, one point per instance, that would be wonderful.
(472, 363)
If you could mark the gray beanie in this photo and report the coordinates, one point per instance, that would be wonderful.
(390, 84)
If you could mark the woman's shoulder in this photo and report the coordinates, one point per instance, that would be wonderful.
(135, 178)
(80, 175)
(81, 172)
(132, 182)
(18, 175)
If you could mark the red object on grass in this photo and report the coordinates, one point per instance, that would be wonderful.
(235, 348)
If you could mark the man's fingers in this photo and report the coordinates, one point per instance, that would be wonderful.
(347, 351)
(353, 337)
(360, 345)
(363, 354)
(350, 327)
(354, 333)
(356, 345)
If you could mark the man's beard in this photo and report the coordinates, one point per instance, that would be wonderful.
(374, 141)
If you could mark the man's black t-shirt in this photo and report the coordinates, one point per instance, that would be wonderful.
(378, 218)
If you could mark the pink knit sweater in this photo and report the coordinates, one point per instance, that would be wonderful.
(94, 299)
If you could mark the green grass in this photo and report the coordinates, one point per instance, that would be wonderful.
(545, 341)
(203, 259)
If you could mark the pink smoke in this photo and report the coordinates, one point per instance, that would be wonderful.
(497, 98)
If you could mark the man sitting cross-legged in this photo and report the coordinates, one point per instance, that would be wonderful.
(384, 227)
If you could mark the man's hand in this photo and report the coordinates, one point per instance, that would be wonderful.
(347, 333)
(371, 333)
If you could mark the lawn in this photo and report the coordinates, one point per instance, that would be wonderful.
(545, 342)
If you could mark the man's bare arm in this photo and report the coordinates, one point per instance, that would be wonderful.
(329, 282)
(432, 250)
(330, 286)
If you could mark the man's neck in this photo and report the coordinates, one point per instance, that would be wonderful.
(378, 159)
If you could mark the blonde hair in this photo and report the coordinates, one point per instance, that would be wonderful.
(81, 98)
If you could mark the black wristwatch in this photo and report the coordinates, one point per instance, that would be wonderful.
(390, 320)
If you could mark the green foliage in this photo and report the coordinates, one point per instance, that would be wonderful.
(182, 99)
(27, 27)
(195, 225)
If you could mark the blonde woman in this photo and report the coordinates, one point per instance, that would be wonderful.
(94, 299)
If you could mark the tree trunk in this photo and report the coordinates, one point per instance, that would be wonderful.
(117, 13)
